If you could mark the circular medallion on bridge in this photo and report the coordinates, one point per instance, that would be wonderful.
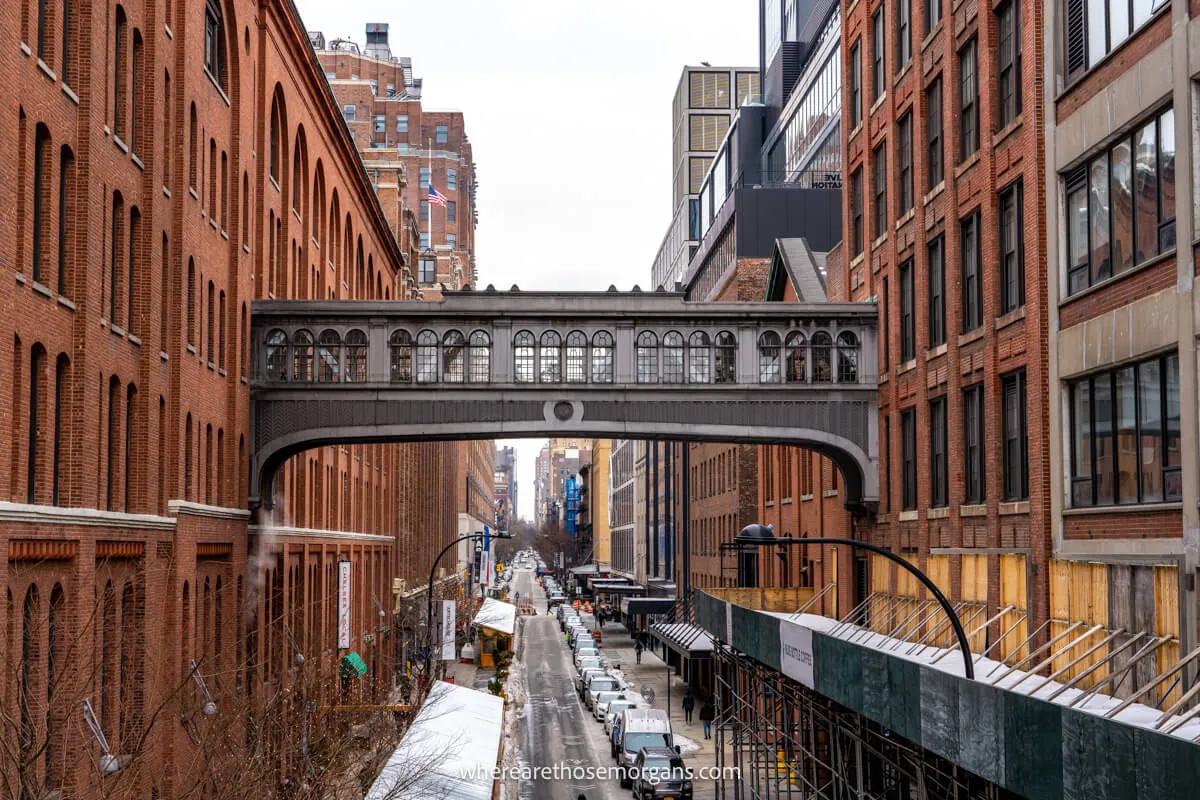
(563, 410)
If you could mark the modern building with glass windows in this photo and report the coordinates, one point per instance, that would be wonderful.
(1121, 258)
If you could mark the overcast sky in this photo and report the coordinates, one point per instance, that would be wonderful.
(568, 107)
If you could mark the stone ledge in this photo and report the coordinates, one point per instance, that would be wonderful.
(91, 517)
(177, 507)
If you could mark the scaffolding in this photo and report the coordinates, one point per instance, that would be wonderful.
(777, 739)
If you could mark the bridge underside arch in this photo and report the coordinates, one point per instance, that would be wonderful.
(841, 428)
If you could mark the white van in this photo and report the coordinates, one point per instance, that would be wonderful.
(640, 727)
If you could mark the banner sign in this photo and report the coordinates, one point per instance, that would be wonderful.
(448, 631)
(485, 569)
(796, 652)
(344, 605)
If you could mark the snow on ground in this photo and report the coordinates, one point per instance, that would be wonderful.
(990, 671)
(686, 746)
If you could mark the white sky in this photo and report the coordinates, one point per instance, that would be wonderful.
(568, 108)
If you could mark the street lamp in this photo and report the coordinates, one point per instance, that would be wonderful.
(429, 595)
(762, 536)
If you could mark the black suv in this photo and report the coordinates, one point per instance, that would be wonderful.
(660, 775)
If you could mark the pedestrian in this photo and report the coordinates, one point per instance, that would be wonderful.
(689, 703)
(707, 712)
(637, 650)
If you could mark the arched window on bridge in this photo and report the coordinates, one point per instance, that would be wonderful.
(454, 356)
(523, 358)
(647, 357)
(356, 357)
(550, 358)
(768, 357)
(302, 356)
(400, 346)
(699, 358)
(480, 357)
(847, 357)
(796, 353)
(602, 357)
(672, 357)
(822, 358)
(725, 358)
(277, 346)
(427, 357)
(577, 357)
(329, 353)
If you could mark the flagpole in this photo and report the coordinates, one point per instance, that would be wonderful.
(428, 202)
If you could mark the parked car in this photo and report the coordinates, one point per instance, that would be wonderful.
(600, 706)
(615, 707)
(584, 676)
(640, 727)
(590, 662)
(592, 655)
(597, 684)
(661, 774)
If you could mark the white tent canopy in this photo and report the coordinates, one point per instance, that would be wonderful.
(450, 750)
(497, 616)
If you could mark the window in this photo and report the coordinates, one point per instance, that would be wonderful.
(442, 134)
(523, 357)
(402, 123)
(1095, 28)
(699, 358)
(37, 365)
(769, 355)
(131, 278)
(908, 330)
(451, 179)
(972, 286)
(451, 240)
(115, 246)
(451, 211)
(1009, 54)
(423, 177)
(380, 122)
(856, 111)
(708, 90)
(938, 481)
(120, 66)
(822, 346)
(427, 267)
(480, 357)
(41, 200)
(647, 357)
(885, 332)
(879, 163)
(424, 212)
(400, 347)
(214, 42)
(725, 358)
(973, 444)
(933, 15)
(933, 133)
(191, 302)
(968, 107)
(1121, 205)
(905, 155)
(884, 482)
(847, 353)
(329, 352)
(856, 211)
(62, 375)
(908, 459)
(1012, 240)
(427, 357)
(453, 357)
(127, 469)
(349, 112)
(550, 357)
(877, 71)
(114, 404)
(903, 33)
(576, 357)
(425, 246)
(1016, 461)
(796, 355)
(672, 357)
(602, 357)
(936, 282)
(302, 356)
(1125, 435)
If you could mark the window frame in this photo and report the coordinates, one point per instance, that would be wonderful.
(974, 463)
(1015, 477)
(879, 178)
(908, 459)
(903, 33)
(1008, 69)
(939, 482)
(971, 272)
(935, 268)
(856, 211)
(908, 329)
(904, 157)
(1012, 251)
(968, 100)
(935, 149)
(856, 98)
(878, 55)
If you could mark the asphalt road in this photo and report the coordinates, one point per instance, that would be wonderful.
(557, 730)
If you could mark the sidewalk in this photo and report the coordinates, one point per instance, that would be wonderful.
(617, 646)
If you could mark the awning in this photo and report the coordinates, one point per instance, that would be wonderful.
(450, 750)
(617, 587)
(684, 638)
(353, 666)
(586, 569)
(497, 616)
(641, 606)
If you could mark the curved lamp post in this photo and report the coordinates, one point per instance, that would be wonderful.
(429, 593)
(762, 536)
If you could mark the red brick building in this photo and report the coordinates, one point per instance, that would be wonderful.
(172, 163)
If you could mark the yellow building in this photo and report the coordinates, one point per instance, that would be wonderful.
(596, 487)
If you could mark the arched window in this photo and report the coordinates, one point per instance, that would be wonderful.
(221, 329)
(30, 658)
(796, 353)
(768, 357)
(37, 366)
(275, 144)
(480, 357)
(427, 357)
(41, 201)
(576, 357)
(356, 357)
(130, 445)
(550, 357)
(302, 356)
(188, 460)
(277, 356)
(647, 357)
(166, 129)
(602, 357)
(400, 346)
(245, 208)
(214, 43)
(523, 358)
(847, 357)
(822, 365)
(699, 358)
(672, 357)
(193, 147)
(66, 223)
(453, 357)
(329, 353)
(62, 377)
(191, 302)
(136, 107)
(725, 358)
(211, 319)
(131, 277)
(68, 41)
(120, 65)
(114, 246)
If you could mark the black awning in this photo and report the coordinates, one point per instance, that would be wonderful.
(641, 606)
(617, 588)
(684, 638)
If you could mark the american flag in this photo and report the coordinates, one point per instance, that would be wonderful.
(436, 198)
